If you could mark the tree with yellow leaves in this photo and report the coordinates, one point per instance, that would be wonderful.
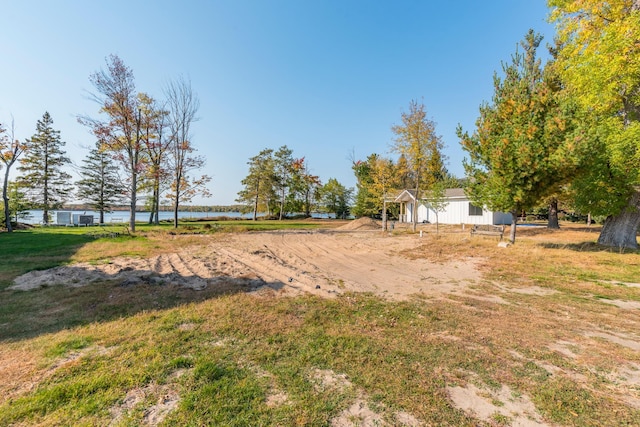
(599, 62)
(417, 141)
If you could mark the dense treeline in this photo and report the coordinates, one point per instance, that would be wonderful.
(278, 184)
(163, 208)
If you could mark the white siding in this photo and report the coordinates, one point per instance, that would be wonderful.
(423, 213)
(457, 212)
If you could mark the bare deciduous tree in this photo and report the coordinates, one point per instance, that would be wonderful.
(121, 131)
(183, 104)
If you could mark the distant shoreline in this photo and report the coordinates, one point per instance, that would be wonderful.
(125, 208)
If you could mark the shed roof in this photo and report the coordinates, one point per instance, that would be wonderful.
(410, 195)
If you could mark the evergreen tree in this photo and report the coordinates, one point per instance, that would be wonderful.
(364, 203)
(283, 168)
(520, 151)
(100, 185)
(46, 184)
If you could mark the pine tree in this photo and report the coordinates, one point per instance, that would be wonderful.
(100, 185)
(47, 185)
(283, 167)
(520, 150)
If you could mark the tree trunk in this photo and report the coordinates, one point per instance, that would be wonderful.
(255, 203)
(156, 219)
(5, 199)
(175, 209)
(619, 231)
(153, 205)
(101, 202)
(45, 191)
(384, 214)
(45, 207)
(414, 220)
(132, 206)
(281, 204)
(553, 214)
(514, 221)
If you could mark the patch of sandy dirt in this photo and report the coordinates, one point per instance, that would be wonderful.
(320, 262)
(275, 396)
(363, 223)
(620, 339)
(625, 305)
(167, 400)
(327, 379)
(486, 404)
(527, 290)
(181, 268)
(564, 348)
(326, 263)
(359, 413)
(629, 284)
(626, 382)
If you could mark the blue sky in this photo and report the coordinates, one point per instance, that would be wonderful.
(328, 78)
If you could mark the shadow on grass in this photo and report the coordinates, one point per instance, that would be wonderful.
(587, 247)
(30, 250)
(28, 314)
(52, 307)
(543, 230)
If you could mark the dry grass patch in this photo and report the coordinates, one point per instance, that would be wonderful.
(142, 245)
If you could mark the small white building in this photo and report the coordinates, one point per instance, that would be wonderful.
(458, 210)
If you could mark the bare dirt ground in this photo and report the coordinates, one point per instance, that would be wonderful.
(325, 263)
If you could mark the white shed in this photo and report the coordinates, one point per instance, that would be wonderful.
(459, 210)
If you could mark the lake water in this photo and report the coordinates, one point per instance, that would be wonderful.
(35, 216)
